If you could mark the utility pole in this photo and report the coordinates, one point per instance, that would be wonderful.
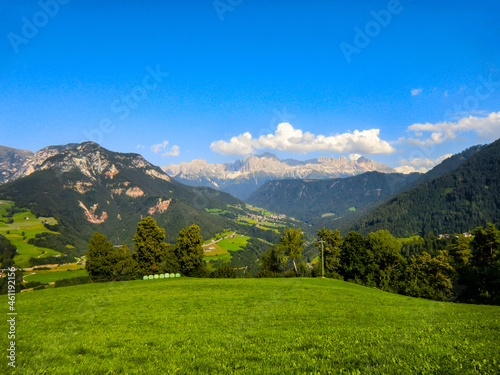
(322, 260)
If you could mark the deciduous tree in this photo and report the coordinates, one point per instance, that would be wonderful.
(292, 242)
(388, 259)
(357, 260)
(332, 246)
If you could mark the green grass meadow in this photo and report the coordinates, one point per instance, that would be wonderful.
(25, 226)
(248, 326)
(234, 244)
(51, 276)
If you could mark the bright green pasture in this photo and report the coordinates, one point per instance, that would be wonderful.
(234, 244)
(226, 257)
(248, 326)
(53, 275)
(30, 225)
(4, 205)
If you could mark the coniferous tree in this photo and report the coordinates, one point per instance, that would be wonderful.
(99, 264)
(460, 251)
(273, 262)
(189, 250)
(149, 246)
(486, 245)
(124, 265)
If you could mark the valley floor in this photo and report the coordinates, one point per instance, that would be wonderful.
(248, 326)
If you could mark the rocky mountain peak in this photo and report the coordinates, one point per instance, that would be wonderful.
(244, 176)
(89, 158)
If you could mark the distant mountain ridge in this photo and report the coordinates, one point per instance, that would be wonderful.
(243, 177)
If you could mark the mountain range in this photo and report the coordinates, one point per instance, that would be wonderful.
(88, 188)
(339, 202)
(243, 177)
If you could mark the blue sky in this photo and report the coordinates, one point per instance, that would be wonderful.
(401, 82)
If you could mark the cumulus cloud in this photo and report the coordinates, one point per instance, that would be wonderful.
(160, 146)
(287, 138)
(415, 92)
(419, 165)
(487, 128)
(174, 151)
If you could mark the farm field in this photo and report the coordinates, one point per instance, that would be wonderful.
(25, 226)
(234, 244)
(220, 249)
(53, 275)
(249, 326)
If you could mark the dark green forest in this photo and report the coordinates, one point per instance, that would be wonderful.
(457, 201)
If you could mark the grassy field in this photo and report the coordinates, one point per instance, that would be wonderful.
(248, 326)
(234, 244)
(25, 226)
(216, 254)
(53, 275)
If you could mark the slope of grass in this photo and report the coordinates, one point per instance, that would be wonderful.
(53, 275)
(248, 326)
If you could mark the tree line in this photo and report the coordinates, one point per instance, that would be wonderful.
(455, 268)
(151, 255)
(466, 269)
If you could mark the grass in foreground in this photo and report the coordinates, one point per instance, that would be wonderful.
(249, 326)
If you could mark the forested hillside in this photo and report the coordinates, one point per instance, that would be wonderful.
(458, 201)
(311, 200)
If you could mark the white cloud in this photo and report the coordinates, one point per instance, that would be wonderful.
(419, 165)
(140, 146)
(415, 92)
(160, 146)
(487, 128)
(174, 151)
(354, 157)
(286, 138)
